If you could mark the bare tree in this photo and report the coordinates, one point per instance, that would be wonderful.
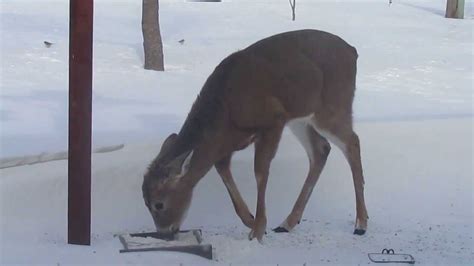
(152, 44)
(293, 7)
(455, 9)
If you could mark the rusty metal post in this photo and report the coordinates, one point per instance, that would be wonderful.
(80, 121)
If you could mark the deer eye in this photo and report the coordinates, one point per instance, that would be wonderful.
(158, 206)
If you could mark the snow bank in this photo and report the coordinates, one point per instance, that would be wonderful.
(48, 157)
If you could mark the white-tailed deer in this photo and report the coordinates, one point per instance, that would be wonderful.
(304, 79)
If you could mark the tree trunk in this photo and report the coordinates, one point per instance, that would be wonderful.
(455, 9)
(293, 7)
(152, 44)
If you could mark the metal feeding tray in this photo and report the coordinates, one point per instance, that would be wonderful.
(188, 241)
(389, 256)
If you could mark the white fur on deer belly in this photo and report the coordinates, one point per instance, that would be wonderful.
(183, 239)
(332, 138)
(297, 126)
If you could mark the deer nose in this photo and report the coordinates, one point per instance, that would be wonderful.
(158, 206)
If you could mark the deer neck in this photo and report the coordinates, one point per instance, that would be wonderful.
(202, 130)
(205, 153)
(200, 136)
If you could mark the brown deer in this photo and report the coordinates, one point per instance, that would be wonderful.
(305, 79)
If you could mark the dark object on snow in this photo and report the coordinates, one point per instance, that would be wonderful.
(47, 44)
(181, 41)
(389, 256)
(196, 249)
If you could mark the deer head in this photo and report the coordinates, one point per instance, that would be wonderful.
(166, 195)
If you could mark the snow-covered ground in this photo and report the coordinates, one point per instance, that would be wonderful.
(418, 190)
(413, 108)
(413, 63)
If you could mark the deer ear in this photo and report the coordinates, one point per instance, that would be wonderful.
(186, 163)
(179, 165)
(168, 141)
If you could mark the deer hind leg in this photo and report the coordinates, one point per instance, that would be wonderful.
(266, 146)
(317, 149)
(223, 168)
(347, 140)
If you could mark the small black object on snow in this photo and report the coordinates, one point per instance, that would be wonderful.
(181, 41)
(48, 44)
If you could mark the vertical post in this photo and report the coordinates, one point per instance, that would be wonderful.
(80, 121)
(455, 9)
(460, 9)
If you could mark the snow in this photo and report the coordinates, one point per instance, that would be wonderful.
(47, 157)
(418, 189)
(182, 239)
(413, 109)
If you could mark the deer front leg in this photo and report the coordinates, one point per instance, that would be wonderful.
(266, 146)
(223, 168)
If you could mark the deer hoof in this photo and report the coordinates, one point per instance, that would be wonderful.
(359, 232)
(253, 235)
(256, 235)
(280, 229)
(258, 230)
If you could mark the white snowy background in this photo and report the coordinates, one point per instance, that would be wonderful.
(413, 112)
